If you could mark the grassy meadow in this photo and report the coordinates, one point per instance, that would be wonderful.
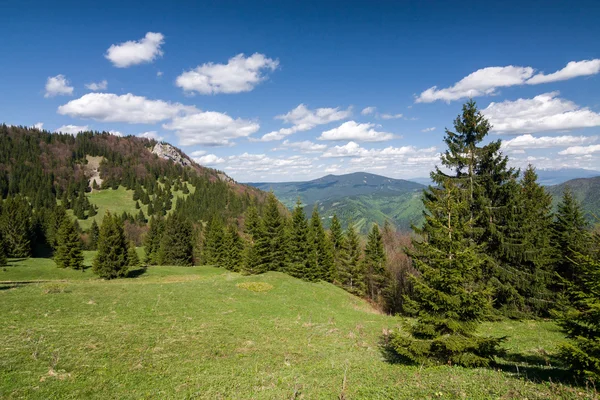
(203, 332)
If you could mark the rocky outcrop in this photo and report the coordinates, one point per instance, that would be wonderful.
(168, 152)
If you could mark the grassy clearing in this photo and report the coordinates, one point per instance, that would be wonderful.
(176, 332)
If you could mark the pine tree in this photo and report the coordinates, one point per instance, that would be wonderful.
(374, 262)
(252, 221)
(233, 249)
(92, 210)
(570, 235)
(94, 234)
(176, 247)
(16, 226)
(581, 319)
(298, 243)
(140, 218)
(133, 260)
(214, 241)
(111, 259)
(350, 274)
(153, 239)
(449, 297)
(336, 237)
(272, 238)
(320, 259)
(68, 253)
(3, 260)
(54, 223)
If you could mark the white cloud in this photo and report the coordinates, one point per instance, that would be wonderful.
(210, 128)
(572, 70)
(240, 74)
(545, 112)
(209, 159)
(108, 107)
(304, 119)
(486, 81)
(159, 74)
(581, 150)
(116, 133)
(428, 129)
(72, 129)
(58, 85)
(391, 116)
(130, 53)
(368, 110)
(95, 86)
(353, 149)
(545, 142)
(351, 130)
(151, 135)
(197, 153)
(305, 146)
(39, 126)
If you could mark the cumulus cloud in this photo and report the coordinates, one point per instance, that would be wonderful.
(545, 142)
(368, 110)
(38, 126)
(240, 74)
(133, 52)
(304, 119)
(58, 86)
(353, 149)
(351, 130)
(581, 150)
(209, 159)
(108, 107)
(72, 129)
(305, 146)
(545, 112)
(151, 135)
(486, 81)
(428, 129)
(95, 86)
(391, 116)
(210, 128)
(573, 69)
(116, 133)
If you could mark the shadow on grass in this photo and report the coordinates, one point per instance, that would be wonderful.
(134, 273)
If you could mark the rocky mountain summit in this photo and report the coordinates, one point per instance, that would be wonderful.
(168, 152)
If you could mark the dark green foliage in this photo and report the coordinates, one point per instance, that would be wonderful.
(320, 259)
(272, 238)
(16, 226)
(336, 237)
(581, 319)
(252, 221)
(374, 264)
(54, 222)
(176, 247)
(233, 249)
(68, 253)
(2, 251)
(94, 234)
(350, 273)
(298, 244)
(152, 239)
(213, 244)
(92, 211)
(133, 260)
(111, 259)
(140, 218)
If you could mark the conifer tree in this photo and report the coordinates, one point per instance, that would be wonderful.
(298, 243)
(153, 239)
(214, 241)
(336, 237)
(252, 221)
(3, 260)
(252, 260)
(374, 262)
(570, 235)
(140, 218)
(111, 259)
(271, 241)
(449, 297)
(133, 260)
(581, 318)
(92, 210)
(176, 247)
(350, 273)
(233, 249)
(94, 234)
(320, 259)
(16, 226)
(68, 253)
(54, 223)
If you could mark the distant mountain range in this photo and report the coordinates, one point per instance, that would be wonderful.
(361, 197)
(368, 198)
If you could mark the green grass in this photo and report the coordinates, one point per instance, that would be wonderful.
(119, 201)
(176, 332)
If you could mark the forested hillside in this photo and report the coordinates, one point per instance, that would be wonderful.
(587, 193)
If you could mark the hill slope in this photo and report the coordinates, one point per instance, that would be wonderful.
(585, 190)
(365, 198)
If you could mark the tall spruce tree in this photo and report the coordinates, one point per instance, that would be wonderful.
(581, 318)
(449, 297)
(252, 221)
(153, 238)
(374, 264)
(176, 247)
(3, 260)
(336, 237)
(213, 245)
(233, 249)
(133, 260)
(69, 252)
(298, 243)
(272, 240)
(111, 259)
(320, 259)
(16, 226)
(94, 233)
(350, 273)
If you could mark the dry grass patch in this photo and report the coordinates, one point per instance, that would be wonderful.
(255, 286)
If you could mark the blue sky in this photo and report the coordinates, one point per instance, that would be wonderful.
(277, 91)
